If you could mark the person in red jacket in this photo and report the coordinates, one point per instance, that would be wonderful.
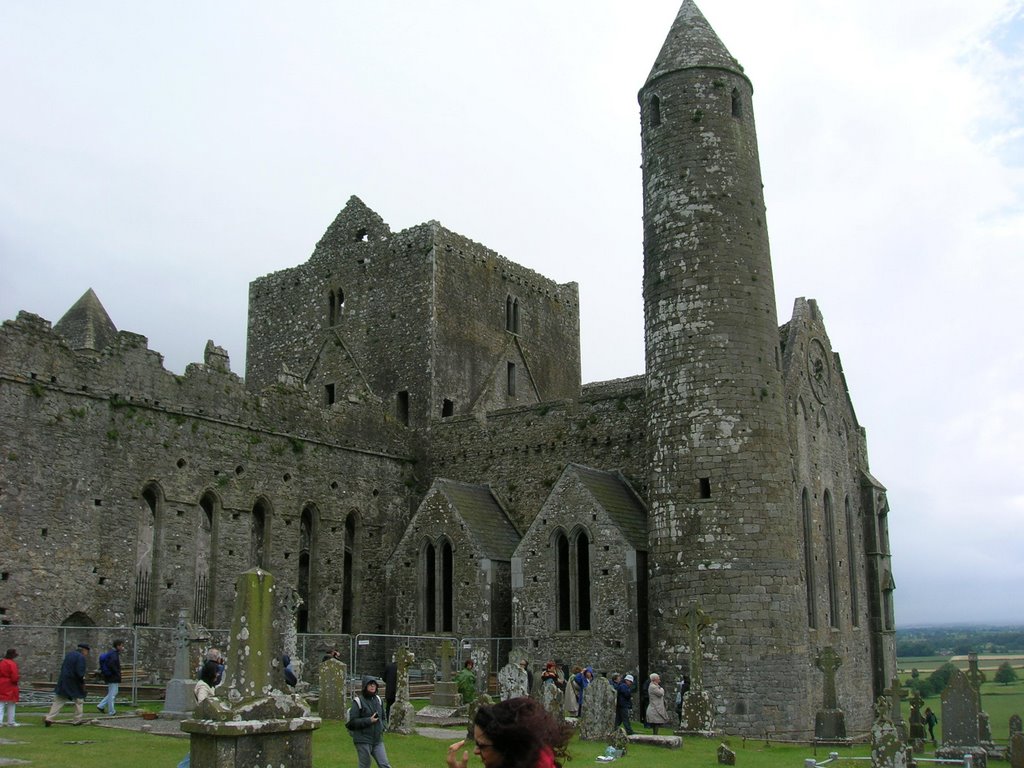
(9, 691)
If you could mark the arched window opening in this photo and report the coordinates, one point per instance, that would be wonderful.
(737, 104)
(77, 628)
(812, 611)
(349, 569)
(202, 604)
(564, 594)
(260, 535)
(655, 111)
(510, 374)
(508, 313)
(515, 316)
(851, 562)
(304, 586)
(146, 576)
(830, 553)
(447, 587)
(582, 581)
(429, 581)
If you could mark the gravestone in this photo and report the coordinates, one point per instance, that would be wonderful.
(1017, 750)
(445, 699)
(830, 721)
(1015, 725)
(512, 678)
(918, 734)
(257, 723)
(698, 715)
(959, 712)
(403, 715)
(288, 611)
(551, 698)
(887, 749)
(895, 694)
(179, 698)
(598, 718)
(977, 678)
(333, 701)
(726, 756)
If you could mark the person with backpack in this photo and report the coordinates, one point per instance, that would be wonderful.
(110, 671)
(366, 724)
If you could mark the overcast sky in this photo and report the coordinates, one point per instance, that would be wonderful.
(165, 154)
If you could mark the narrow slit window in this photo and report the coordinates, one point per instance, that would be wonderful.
(655, 111)
(705, 487)
(511, 379)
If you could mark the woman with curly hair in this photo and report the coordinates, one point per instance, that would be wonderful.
(515, 733)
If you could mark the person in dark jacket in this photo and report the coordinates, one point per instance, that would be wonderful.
(390, 687)
(110, 671)
(624, 703)
(70, 685)
(366, 724)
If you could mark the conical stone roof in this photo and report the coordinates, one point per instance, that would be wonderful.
(692, 43)
(87, 325)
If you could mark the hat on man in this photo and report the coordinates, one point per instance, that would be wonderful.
(84, 646)
(628, 678)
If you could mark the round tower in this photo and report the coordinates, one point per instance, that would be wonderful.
(724, 532)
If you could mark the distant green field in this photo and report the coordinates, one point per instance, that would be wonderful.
(986, 662)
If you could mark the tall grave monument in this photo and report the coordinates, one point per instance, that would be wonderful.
(256, 723)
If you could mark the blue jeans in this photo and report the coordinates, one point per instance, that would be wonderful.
(377, 750)
(107, 702)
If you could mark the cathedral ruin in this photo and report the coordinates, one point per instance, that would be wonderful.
(412, 447)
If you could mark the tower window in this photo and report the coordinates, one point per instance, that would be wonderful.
(329, 394)
(447, 408)
(336, 306)
(362, 236)
(705, 487)
(402, 406)
(511, 379)
(737, 105)
(511, 314)
(655, 112)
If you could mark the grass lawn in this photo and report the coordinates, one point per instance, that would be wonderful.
(94, 747)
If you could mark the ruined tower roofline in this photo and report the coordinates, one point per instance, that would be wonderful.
(691, 43)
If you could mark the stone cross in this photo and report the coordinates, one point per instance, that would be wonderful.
(404, 658)
(446, 650)
(181, 642)
(895, 694)
(828, 661)
(917, 724)
(694, 620)
(974, 675)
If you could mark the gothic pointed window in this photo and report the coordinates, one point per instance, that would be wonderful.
(437, 599)
(147, 563)
(832, 564)
(259, 535)
(307, 548)
(851, 560)
(205, 577)
(572, 577)
(349, 568)
(582, 549)
(812, 611)
(508, 313)
(563, 590)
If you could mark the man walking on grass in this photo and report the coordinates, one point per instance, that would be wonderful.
(70, 685)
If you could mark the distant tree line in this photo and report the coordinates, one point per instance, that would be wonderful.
(949, 641)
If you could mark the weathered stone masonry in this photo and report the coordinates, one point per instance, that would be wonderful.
(412, 449)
